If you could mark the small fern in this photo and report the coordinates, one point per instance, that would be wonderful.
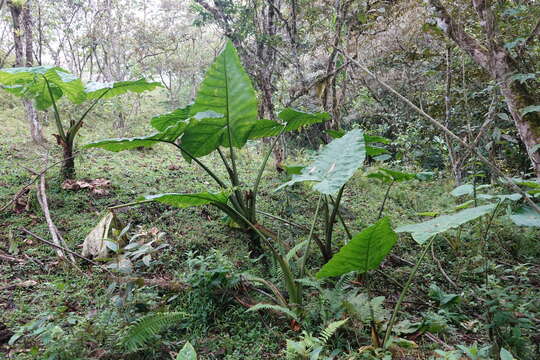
(330, 330)
(144, 329)
(278, 308)
(293, 252)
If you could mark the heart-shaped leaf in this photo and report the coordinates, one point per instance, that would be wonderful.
(335, 164)
(364, 252)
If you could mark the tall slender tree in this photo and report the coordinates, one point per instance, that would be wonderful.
(24, 56)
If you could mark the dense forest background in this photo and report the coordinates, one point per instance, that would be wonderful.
(448, 90)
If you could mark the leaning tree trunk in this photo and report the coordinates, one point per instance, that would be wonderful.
(500, 65)
(528, 125)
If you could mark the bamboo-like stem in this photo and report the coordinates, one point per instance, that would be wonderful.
(255, 191)
(59, 125)
(484, 239)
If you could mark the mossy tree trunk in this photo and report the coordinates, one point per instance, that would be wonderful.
(500, 65)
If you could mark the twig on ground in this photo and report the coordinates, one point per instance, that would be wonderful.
(64, 249)
(433, 338)
(11, 258)
(27, 283)
(439, 265)
(37, 262)
(38, 175)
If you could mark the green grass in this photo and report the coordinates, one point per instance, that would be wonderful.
(83, 320)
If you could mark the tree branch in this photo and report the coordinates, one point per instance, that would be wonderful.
(456, 32)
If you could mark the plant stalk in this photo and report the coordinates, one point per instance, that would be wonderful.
(384, 200)
(404, 291)
(310, 237)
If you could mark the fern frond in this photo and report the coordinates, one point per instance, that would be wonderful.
(144, 329)
(278, 308)
(344, 281)
(294, 250)
(330, 330)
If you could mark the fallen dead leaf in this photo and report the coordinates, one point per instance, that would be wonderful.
(98, 187)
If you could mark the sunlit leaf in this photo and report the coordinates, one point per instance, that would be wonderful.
(364, 252)
(335, 164)
(187, 352)
(31, 82)
(421, 232)
(94, 90)
(188, 200)
(526, 216)
(226, 90)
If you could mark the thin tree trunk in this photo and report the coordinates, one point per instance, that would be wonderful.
(68, 164)
(22, 14)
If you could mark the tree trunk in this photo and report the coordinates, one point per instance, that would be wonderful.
(528, 126)
(500, 65)
(68, 163)
(18, 13)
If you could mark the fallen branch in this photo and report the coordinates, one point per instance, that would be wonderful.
(28, 232)
(11, 258)
(53, 230)
(27, 283)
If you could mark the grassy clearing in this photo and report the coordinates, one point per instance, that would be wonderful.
(74, 315)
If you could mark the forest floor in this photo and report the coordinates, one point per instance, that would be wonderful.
(60, 312)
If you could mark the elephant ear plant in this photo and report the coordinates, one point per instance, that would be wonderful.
(47, 84)
(222, 119)
(333, 166)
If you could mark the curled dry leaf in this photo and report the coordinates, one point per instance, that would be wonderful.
(94, 245)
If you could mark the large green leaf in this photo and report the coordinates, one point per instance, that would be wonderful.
(170, 134)
(421, 232)
(364, 252)
(31, 82)
(226, 90)
(526, 216)
(388, 175)
(188, 200)
(205, 133)
(335, 164)
(296, 119)
(94, 90)
(163, 121)
(292, 120)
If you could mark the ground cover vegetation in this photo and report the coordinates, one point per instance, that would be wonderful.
(301, 180)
